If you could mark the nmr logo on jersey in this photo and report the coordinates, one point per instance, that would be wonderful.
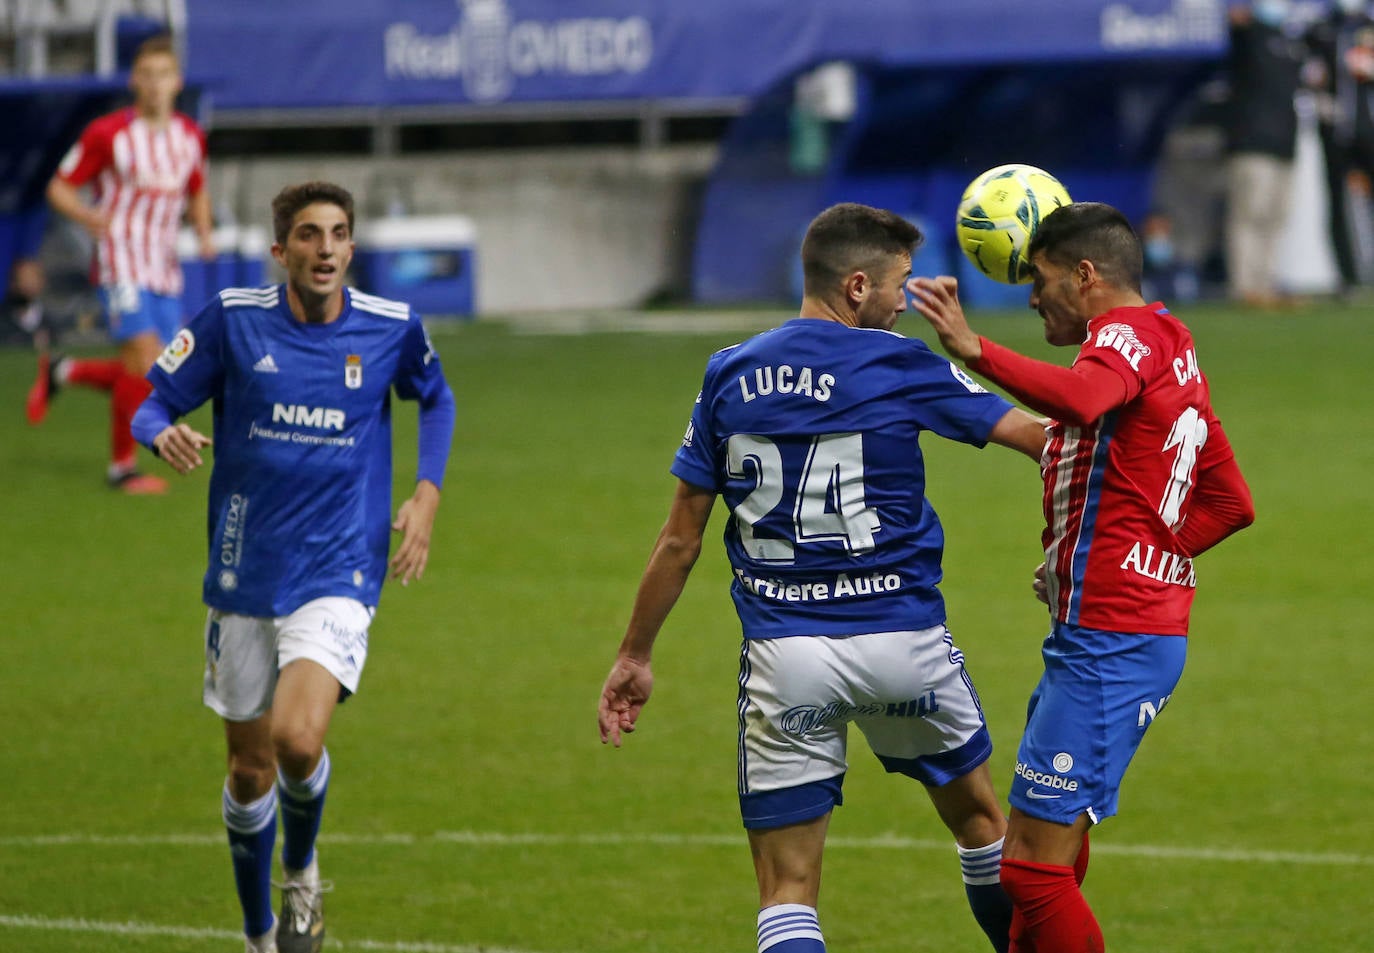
(322, 418)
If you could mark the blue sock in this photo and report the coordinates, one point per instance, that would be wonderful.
(790, 928)
(252, 832)
(989, 902)
(302, 807)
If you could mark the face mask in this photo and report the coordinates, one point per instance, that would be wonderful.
(1271, 12)
(1159, 252)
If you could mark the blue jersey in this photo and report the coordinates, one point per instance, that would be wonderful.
(300, 495)
(810, 434)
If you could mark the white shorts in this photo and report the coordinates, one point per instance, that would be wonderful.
(243, 654)
(908, 693)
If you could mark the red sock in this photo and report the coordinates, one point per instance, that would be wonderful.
(129, 391)
(1052, 912)
(100, 374)
(1020, 939)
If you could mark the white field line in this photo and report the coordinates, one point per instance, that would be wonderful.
(497, 839)
(134, 928)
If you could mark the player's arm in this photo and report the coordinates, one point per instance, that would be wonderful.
(202, 218)
(1221, 503)
(154, 425)
(630, 681)
(82, 163)
(415, 518)
(1077, 395)
(1018, 430)
(66, 199)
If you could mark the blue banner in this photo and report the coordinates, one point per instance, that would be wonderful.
(427, 52)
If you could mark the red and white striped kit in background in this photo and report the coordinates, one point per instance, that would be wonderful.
(142, 177)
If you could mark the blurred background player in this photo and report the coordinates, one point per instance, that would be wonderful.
(146, 164)
(1139, 478)
(300, 499)
(811, 433)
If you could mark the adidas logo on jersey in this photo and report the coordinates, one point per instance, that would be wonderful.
(266, 365)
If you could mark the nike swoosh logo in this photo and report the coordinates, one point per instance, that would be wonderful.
(1035, 795)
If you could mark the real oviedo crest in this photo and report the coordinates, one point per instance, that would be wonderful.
(353, 371)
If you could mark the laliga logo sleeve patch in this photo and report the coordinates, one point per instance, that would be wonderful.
(969, 383)
(176, 353)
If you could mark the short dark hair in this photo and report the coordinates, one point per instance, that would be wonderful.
(157, 44)
(293, 198)
(850, 237)
(1093, 231)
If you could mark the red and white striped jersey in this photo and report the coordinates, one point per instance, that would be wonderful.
(142, 177)
(1118, 490)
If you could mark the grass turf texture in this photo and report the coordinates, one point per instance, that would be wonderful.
(472, 806)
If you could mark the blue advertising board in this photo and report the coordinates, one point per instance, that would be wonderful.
(432, 52)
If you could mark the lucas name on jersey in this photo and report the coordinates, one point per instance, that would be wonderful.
(784, 379)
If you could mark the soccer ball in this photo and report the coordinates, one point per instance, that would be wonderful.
(999, 213)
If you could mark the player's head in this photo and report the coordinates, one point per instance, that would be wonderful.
(155, 77)
(1084, 258)
(855, 262)
(313, 226)
(292, 199)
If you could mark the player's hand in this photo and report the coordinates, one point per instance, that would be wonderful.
(937, 300)
(623, 696)
(180, 446)
(415, 523)
(97, 223)
(1039, 586)
(208, 251)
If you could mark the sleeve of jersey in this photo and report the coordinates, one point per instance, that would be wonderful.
(86, 158)
(947, 400)
(1221, 503)
(1077, 395)
(190, 370)
(695, 462)
(420, 378)
(152, 417)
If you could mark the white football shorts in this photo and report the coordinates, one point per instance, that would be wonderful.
(907, 692)
(243, 654)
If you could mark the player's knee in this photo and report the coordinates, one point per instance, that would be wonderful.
(298, 749)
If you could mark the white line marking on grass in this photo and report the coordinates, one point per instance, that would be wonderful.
(537, 839)
(134, 928)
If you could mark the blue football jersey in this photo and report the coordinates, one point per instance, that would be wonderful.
(810, 432)
(300, 493)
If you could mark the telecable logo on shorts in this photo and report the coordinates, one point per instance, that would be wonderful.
(1053, 781)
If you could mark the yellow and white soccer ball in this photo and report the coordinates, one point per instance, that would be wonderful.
(1000, 211)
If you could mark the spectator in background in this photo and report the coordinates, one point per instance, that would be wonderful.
(21, 236)
(1341, 71)
(1264, 67)
(1165, 275)
(146, 164)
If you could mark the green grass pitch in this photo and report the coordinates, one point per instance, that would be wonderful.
(474, 809)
